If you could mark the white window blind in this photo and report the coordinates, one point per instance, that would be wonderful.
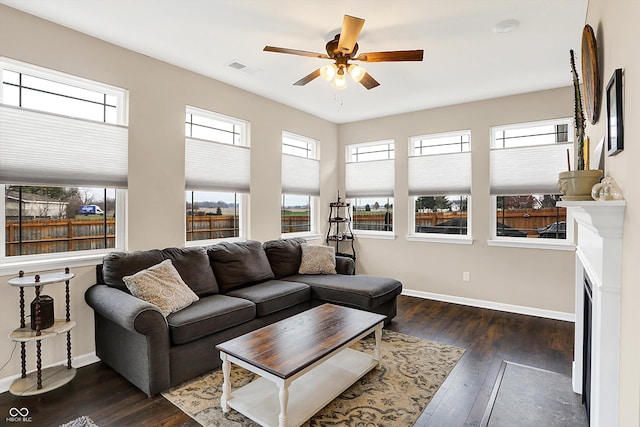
(300, 175)
(39, 148)
(440, 174)
(214, 166)
(370, 179)
(528, 170)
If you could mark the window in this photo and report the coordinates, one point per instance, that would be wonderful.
(63, 163)
(369, 182)
(43, 220)
(217, 176)
(525, 162)
(35, 88)
(440, 183)
(300, 184)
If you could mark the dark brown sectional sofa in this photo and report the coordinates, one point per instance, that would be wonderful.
(241, 286)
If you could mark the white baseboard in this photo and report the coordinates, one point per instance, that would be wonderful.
(77, 362)
(518, 309)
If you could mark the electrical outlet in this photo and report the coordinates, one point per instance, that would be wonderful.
(465, 277)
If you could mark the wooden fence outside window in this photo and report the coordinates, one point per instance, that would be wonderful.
(66, 235)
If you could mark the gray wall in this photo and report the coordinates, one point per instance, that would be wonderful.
(158, 94)
(534, 278)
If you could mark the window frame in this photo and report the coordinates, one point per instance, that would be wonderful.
(415, 236)
(243, 124)
(121, 95)
(313, 152)
(374, 234)
(351, 157)
(391, 153)
(313, 222)
(59, 260)
(462, 239)
(524, 242)
(243, 198)
(242, 224)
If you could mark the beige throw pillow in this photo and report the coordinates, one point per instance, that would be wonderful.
(317, 259)
(162, 286)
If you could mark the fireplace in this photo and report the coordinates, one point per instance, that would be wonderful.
(598, 272)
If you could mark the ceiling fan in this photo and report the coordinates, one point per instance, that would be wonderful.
(342, 49)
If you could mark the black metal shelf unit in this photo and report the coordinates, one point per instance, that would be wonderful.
(339, 231)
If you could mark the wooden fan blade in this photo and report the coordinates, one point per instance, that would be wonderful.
(295, 52)
(396, 55)
(351, 27)
(368, 81)
(306, 79)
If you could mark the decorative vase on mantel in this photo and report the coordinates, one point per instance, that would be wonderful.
(577, 184)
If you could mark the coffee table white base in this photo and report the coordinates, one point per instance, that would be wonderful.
(274, 401)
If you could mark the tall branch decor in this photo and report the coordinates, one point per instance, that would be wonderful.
(578, 113)
(577, 184)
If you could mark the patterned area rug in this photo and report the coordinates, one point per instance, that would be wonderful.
(83, 421)
(411, 371)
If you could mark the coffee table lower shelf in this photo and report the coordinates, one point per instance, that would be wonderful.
(259, 400)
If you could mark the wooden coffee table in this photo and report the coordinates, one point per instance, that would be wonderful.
(303, 362)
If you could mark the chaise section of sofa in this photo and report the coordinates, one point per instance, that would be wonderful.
(371, 293)
(241, 286)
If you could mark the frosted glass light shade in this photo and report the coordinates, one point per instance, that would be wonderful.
(328, 72)
(357, 72)
(340, 82)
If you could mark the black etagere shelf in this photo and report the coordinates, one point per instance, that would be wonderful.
(339, 232)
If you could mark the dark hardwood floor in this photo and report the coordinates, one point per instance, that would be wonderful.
(488, 337)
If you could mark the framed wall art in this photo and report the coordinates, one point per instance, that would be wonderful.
(615, 131)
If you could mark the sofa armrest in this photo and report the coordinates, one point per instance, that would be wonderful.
(345, 265)
(125, 310)
(132, 337)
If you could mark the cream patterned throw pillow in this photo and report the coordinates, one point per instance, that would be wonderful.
(317, 259)
(162, 286)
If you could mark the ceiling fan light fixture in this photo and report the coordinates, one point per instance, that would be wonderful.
(328, 72)
(342, 49)
(356, 72)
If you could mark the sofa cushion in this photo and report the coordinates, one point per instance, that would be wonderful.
(162, 286)
(116, 265)
(194, 268)
(317, 259)
(359, 290)
(284, 256)
(274, 295)
(207, 316)
(237, 264)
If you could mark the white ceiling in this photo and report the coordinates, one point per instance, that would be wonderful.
(465, 60)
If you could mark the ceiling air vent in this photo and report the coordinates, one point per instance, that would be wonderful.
(237, 65)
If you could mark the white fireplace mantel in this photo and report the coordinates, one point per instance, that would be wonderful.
(598, 256)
